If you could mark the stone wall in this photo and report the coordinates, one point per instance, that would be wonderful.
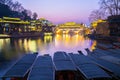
(114, 25)
(102, 29)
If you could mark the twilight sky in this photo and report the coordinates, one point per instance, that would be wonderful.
(60, 11)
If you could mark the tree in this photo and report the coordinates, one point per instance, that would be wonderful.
(16, 6)
(35, 15)
(5, 10)
(110, 6)
(97, 14)
(25, 15)
(15, 9)
(29, 13)
(5, 1)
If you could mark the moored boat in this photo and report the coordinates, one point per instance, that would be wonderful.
(65, 69)
(42, 69)
(20, 70)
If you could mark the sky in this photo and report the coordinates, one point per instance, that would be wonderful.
(61, 11)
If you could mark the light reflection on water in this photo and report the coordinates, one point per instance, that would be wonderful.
(11, 48)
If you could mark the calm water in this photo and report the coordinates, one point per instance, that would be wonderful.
(11, 49)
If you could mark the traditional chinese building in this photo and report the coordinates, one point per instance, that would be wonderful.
(100, 27)
(69, 27)
(13, 25)
(16, 26)
(42, 25)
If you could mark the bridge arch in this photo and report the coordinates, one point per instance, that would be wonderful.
(69, 27)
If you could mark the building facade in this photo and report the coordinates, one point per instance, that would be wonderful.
(13, 25)
(17, 26)
(114, 25)
(69, 27)
(100, 27)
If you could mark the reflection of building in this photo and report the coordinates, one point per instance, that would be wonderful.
(87, 31)
(69, 27)
(13, 25)
(48, 39)
(114, 25)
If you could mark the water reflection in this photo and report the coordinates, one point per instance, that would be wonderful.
(11, 48)
(73, 43)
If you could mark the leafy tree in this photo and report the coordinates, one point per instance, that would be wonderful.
(15, 9)
(5, 1)
(5, 10)
(25, 15)
(35, 15)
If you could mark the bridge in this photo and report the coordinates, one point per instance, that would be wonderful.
(69, 27)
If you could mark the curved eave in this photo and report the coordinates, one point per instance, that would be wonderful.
(12, 22)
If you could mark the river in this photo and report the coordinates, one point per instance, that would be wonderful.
(13, 48)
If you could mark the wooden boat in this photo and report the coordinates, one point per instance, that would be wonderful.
(109, 56)
(21, 68)
(42, 69)
(88, 69)
(65, 69)
(104, 46)
(112, 69)
(116, 51)
(80, 52)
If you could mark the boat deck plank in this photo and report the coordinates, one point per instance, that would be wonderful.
(42, 69)
(112, 68)
(63, 62)
(108, 66)
(87, 67)
(21, 67)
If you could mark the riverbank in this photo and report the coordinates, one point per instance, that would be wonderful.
(25, 35)
(105, 38)
(4, 36)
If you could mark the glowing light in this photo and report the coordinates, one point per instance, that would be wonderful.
(58, 31)
(95, 23)
(32, 45)
(48, 34)
(76, 32)
(47, 39)
(93, 46)
(69, 27)
(9, 18)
